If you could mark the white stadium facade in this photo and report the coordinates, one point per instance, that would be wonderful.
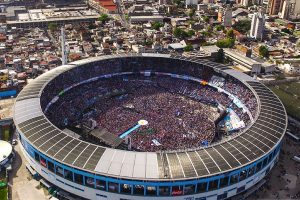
(218, 171)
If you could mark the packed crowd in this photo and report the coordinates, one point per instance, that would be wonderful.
(180, 113)
(242, 93)
(116, 65)
(174, 121)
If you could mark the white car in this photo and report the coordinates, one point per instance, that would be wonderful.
(14, 142)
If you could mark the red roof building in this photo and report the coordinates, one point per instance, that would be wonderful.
(104, 6)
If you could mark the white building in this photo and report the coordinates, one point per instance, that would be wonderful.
(257, 26)
(285, 9)
(146, 19)
(296, 7)
(243, 2)
(290, 68)
(290, 9)
(208, 1)
(5, 153)
(138, 48)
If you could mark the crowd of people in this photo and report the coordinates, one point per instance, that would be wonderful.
(117, 65)
(180, 113)
(174, 121)
(243, 93)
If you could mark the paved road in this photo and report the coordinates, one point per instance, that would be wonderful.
(23, 186)
(121, 14)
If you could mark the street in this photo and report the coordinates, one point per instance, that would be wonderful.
(23, 186)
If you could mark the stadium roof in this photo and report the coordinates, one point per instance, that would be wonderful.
(264, 134)
(106, 137)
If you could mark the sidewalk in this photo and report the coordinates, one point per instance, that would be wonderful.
(23, 186)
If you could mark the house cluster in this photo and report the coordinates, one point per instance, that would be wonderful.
(190, 27)
(26, 52)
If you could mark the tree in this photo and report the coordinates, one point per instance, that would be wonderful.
(184, 34)
(242, 26)
(190, 21)
(179, 33)
(288, 31)
(191, 13)
(52, 26)
(103, 18)
(225, 43)
(230, 34)
(188, 47)
(220, 56)
(91, 26)
(219, 27)
(126, 17)
(206, 18)
(263, 51)
(191, 33)
(179, 3)
(206, 34)
(209, 29)
(148, 42)
(157, 25)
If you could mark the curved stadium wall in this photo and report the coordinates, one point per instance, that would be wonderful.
(91, 171)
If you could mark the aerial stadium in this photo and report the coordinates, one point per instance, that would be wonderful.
(150, 126)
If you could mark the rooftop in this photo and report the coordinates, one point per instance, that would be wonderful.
(5, 150)
(55, 14)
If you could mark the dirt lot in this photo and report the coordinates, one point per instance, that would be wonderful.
(6, 108)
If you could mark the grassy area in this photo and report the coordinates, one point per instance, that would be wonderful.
(297, 33)
(3, 193)
(2, 176)
(6, 135)
(288, 94)
(281, 22)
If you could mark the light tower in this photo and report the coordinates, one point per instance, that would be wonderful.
(63, 47)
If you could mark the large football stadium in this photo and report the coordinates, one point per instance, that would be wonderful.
(150, 126)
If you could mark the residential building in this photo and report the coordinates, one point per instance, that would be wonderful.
(227, 18)
(104, 6)
(285, 12)
(293, 69)
(165, 2)
(243, 2)
(274, 6)
(208, 1)
(42, 17)
(145, 19)
(191, 3)
(220, 15)
(257, 26)
(290, 9)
